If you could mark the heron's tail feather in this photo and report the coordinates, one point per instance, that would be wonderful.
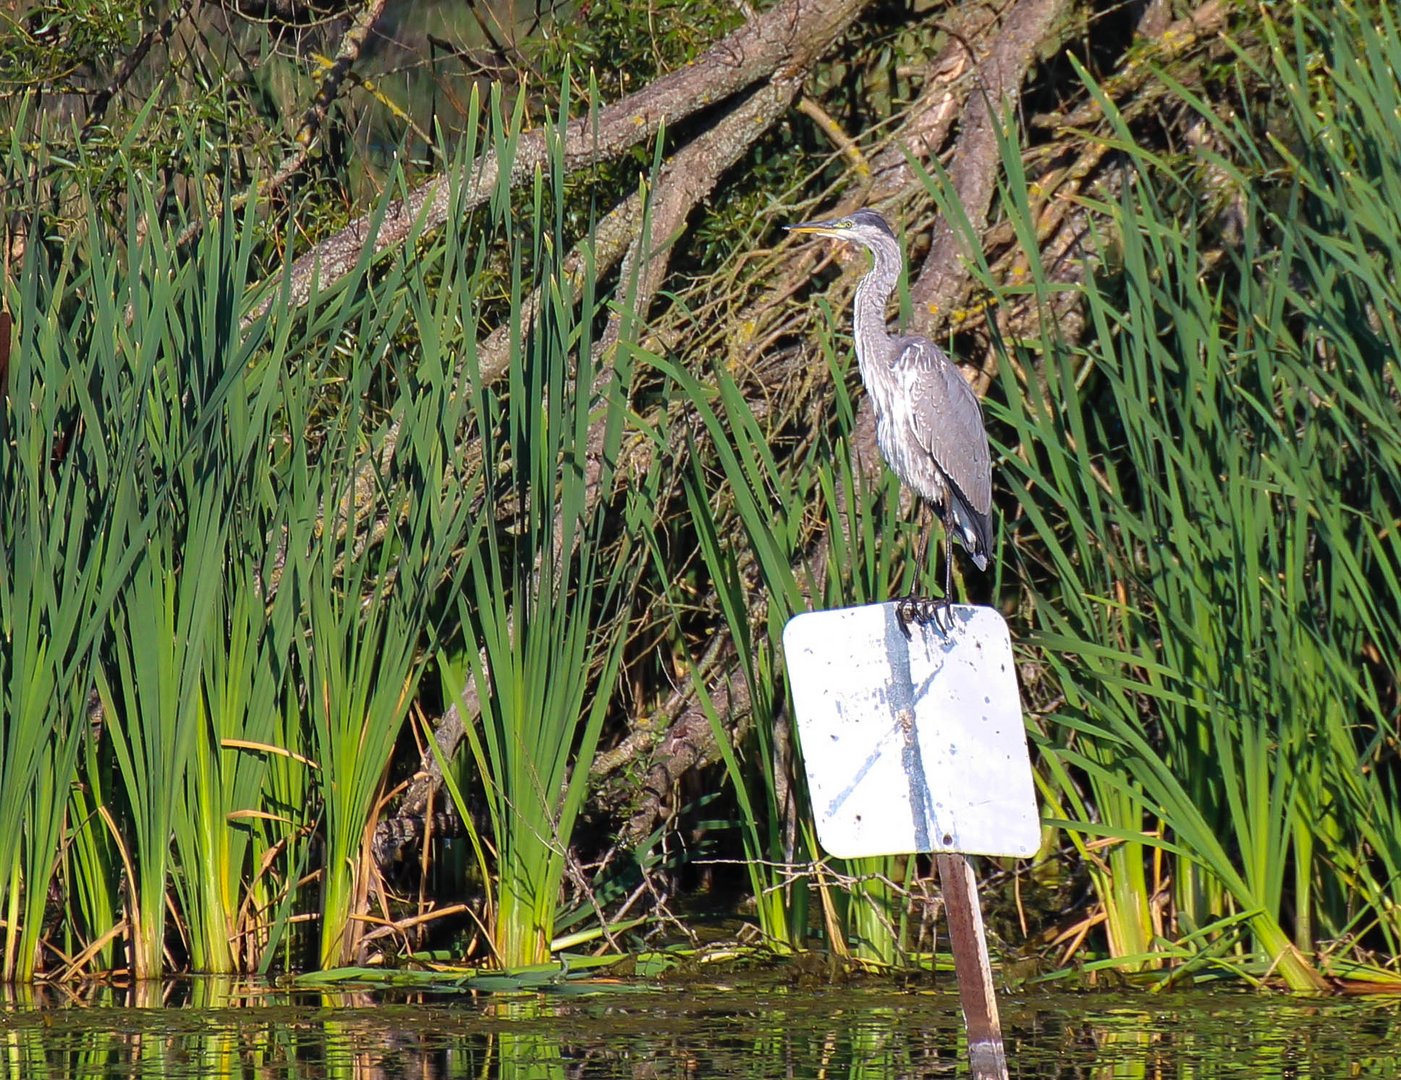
(973, 528)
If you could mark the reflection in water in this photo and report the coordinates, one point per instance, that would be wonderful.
(208, 1029)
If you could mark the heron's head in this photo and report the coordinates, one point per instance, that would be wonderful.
(863, 227)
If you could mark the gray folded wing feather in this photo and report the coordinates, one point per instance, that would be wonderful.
(948, 419)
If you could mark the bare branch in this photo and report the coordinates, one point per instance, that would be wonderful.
(352, 44)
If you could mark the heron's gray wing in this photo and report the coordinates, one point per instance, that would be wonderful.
(947, 418)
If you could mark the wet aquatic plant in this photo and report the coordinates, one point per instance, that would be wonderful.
(543, 637)
(377, 574)
(188, 363)
(65, 497)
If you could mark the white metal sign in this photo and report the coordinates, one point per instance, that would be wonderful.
(912, 744)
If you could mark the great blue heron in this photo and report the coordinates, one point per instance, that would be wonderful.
(929, 424)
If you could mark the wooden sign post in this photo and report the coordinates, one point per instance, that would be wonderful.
(917, 745)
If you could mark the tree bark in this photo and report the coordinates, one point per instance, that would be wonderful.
(977, 159)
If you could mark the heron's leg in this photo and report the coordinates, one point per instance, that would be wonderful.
(929, 611)
(948, 568)
(912, 605)
(928, 541)
(923, 609)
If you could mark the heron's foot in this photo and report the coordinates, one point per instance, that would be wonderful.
(923, 610)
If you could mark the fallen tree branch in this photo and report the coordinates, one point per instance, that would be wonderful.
(762, 48)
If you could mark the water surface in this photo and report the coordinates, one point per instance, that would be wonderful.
(699, 1030)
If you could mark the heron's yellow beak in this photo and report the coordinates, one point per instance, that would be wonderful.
(834, 227)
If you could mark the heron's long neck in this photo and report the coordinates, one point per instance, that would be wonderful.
(872, 295)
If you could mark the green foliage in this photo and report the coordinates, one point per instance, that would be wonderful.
(229, 548)
(624, 47)
(63, 44)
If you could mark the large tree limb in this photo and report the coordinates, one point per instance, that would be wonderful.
(977, 159)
